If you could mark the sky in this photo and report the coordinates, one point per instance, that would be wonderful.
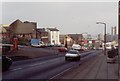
(68, 17)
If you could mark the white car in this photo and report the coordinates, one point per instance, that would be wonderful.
(40, 44)
(72, 55)
(76, 47)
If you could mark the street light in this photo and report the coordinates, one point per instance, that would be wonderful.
(104, 35)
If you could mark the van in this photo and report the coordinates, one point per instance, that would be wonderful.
(37, 43)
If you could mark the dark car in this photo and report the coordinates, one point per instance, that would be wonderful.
(111, 55)
(62, 49)
(81, 49)
(6, 63)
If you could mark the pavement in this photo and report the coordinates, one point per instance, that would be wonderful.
(95, 68)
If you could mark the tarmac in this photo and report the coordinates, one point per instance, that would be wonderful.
(95, 68)
(28, 52)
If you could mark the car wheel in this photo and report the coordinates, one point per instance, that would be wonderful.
(66, 59)
(78, 58)
(5, 67)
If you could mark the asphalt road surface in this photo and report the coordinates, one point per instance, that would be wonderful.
(45, 67)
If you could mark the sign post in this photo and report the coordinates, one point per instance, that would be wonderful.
(119, 39)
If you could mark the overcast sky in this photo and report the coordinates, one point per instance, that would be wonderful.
(68, 17)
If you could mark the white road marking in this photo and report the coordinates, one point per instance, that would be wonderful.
(60, 73)
(16, 69)
(35, 64)
(45, 62)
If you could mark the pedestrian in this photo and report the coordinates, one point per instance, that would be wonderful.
(15, 43)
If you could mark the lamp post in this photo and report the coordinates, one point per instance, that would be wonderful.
(104, 35)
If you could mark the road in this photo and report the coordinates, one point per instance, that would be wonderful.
(45, 68)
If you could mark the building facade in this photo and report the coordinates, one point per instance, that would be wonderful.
(62, 39)
(53, 35)
(4, 31)
(43, 35)
(23, 29)
(77, 38)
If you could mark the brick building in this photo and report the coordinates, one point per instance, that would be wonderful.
(23, 29)
(42, 34)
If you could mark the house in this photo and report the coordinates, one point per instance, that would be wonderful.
(71, 39)
(68, 41)
(23, 29)
(53, 35)
(42, 34)
(4, 31)
(76, 38)
(62, 38)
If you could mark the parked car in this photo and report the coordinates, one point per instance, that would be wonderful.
(37, 43)
(111, 55)
(62, 49)
(50, 45)
(111, 60)
(72, 55)
(6, 63)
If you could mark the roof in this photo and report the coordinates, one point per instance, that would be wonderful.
(4, 28)
(62, 36)
(75, 36)
(16, 21)
(23, 27)
(7, 28)
(41, 30)
(53, 29)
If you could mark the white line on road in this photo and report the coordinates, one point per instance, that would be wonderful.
(63, 72)
(60, 73)
(36, 64)
(53, 60)
(16, 69)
